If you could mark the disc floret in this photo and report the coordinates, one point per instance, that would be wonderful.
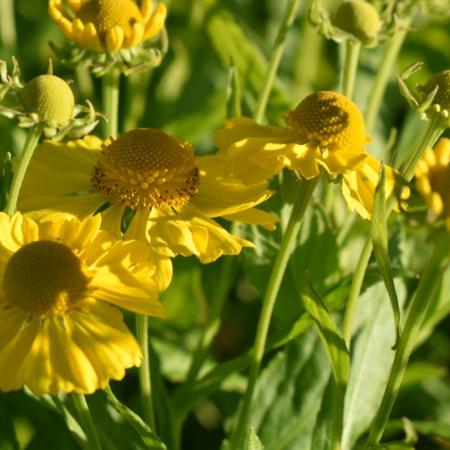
(146, 167)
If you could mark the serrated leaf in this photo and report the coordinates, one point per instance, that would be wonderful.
(380, 246)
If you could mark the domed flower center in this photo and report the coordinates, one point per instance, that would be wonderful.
(331, 120)
(106, 14)
(50, 98)
(44, 277)
(146, 167)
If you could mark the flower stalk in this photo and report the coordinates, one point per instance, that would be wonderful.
(434, 130)
(8, 35)
(408, 337)
(31, 142)
(388, 59)
(352, 52)
(145, 382)
(303, 197)
(110, 97)
(85, 417)
(275, 58)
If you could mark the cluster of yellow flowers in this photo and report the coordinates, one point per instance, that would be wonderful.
(103, 218)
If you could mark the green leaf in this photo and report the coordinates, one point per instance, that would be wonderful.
(149, 438)
(288, 395)
(332, 340)
(380, 247)
(235, 49)
(253, 442)
(330, 424)
(371, 361)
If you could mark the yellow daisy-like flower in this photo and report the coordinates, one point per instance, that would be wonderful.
(433, 179)
(326, 133)
(62, 279)
(108, 25)
(173, 195)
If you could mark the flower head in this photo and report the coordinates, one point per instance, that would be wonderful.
(326, 133)
(112, 27)
(171, 195)
(358, 18)
(108, 25)
(46, 101)
(50, 98)
(433, 179)
(62, 280)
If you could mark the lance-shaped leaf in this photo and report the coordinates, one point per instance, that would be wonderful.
(253, 442)
(380, 246)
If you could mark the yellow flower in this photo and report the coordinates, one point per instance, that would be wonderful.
(108, 25)
(433, 179)
(326, 133)
(172, 194)
(62, 279)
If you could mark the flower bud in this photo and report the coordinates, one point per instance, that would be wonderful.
(50, 98)
(358, 18)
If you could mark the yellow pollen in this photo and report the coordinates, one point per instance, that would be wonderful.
(106, 14)
(330, 119)
(146, 167)
(44, 277)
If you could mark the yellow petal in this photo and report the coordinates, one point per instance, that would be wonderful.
(114, 38)
(254, 216)
(91, 39)
(136, 35)
(156, 22)
(189, 232)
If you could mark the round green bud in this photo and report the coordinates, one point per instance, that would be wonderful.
(442, 97)
(50, 98)
(359, 18)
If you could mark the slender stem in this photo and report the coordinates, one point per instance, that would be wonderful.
(85, 417)
(24, 160)
(408, 337)
(388, 60)
(355, 289)
(352, 51)
(275, 57)
(434, 130)
(432, 134)
(110, 97)
(8, 36)
(145, 382)
(304, 195)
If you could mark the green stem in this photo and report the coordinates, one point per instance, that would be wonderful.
(110, 97)
(86, 420)
(436, 127)
(8, 36)
(275, 58)
(145, 383)
(304, 195)
(355, 289)
(432, 134)
(24, 160)
(352, 51)
(408, 336)
(388, 60)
